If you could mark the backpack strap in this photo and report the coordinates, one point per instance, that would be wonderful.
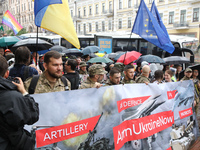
(32, 86)
(64, 80)
(26, 73)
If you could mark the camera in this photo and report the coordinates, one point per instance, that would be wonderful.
(13, 79)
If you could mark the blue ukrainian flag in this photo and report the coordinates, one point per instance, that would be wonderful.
(147, 27)
(54, 15)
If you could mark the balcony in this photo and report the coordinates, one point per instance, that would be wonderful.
(191, 1)
(77, 18)
(181, 25)
(109, 13)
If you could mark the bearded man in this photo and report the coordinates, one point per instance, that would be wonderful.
(51, 80)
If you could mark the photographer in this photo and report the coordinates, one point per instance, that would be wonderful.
(17, 109)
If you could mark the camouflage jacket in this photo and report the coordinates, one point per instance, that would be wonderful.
(142, 79)
(124, 81)
(83, 72)
(44, 86)
(109, 83)
(87, 84)
(185, 78)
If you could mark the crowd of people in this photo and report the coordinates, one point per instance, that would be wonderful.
(32, 74)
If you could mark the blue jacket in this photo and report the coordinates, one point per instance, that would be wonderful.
(19, 71)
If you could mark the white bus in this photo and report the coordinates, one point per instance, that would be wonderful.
(184, 46)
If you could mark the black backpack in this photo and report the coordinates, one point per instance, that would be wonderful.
(32, 86)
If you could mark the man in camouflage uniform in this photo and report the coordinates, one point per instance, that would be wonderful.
(143, 78)
(96, 74)
(129, 74)
(188, 74)
(82, 70)
(114, 78)
(50, 79)
(120, 66)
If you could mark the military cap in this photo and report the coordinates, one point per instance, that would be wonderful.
(120, 66)
(96, 69)
(82, 64)
(188, 70)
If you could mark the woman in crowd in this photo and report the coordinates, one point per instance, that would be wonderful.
(168, 76)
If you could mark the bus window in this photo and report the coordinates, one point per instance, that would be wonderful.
(55, 41)
(84, 42)
(146, 48)
(65, 43)
(190, 45)
(124, 44)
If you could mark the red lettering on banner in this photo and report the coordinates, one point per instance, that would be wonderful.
(140, 128)
(185, 113)
(171, 94)
(130, 102)
(63, 132)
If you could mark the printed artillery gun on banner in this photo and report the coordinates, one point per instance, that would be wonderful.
(99, 144)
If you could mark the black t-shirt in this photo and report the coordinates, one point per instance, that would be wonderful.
(74, 79)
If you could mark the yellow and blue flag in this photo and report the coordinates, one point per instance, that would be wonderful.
(156, 15)
(54, 15)
(147, 27)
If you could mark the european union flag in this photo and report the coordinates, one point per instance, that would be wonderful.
(156, 15)
(54, 15)
(148, 28)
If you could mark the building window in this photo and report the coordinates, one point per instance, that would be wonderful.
(79, 28)
(103, 7)
(84, 28)
(129, 22)
(161, 0)
(161, 16)
(79, 12)
(110, 25)
(84, 11)
(110, 6)
(103, 26)
(129, 3)
(183, 16)
(90, 27)
(29, 6)
(120, 24)
(150, 1)
(195, 14)
(97, 8)
(97, 29)
(90, 10)
(71, 13)
(171, 17)
(120, 4)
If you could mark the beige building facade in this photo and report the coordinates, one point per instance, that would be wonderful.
(181, 17)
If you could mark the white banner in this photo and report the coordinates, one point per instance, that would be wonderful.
(135, 116)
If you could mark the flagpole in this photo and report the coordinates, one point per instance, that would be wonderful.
(36, 47)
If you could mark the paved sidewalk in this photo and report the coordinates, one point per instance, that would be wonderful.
(198, 114)
(196, 145)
